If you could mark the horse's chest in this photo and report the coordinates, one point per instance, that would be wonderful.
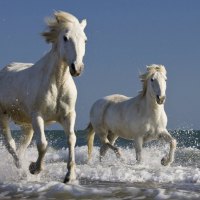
(56, 102)
(151, 131)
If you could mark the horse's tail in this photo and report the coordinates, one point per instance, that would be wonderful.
(90, 139)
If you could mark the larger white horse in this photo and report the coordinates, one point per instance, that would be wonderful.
(142, 118)
(33, 95)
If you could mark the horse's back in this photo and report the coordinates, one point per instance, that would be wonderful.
(116, 98)
(13, 70)
(103, 103)
(100, 107)
(16, 67)
(13, 74)
(13, 92)
(13, 77)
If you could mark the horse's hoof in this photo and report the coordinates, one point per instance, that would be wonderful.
(66, 180)
(18, 164)
(100, 158)
(69, 178)
(139, 162)
(119, 154)
(165, 161)
(33, 168)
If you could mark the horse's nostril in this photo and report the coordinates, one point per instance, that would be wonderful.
(73, 67)
(160, 99)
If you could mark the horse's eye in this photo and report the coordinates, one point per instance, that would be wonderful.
(152, 79)
(65, 38)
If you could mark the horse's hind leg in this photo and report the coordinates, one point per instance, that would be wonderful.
(38, 127)
(112, 138)
(115, 149)
(109, 143)
(26, 138)
(8, 140)
(68, 123)
(104, 148)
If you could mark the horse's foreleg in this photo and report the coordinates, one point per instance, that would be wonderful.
(138, 149)
(68, 123)
(168, 159)
(8, 140)
(38, 127)
(25, 140)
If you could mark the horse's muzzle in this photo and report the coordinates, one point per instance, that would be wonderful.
(160, 99)
(76, 71)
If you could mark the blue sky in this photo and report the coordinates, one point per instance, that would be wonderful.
(123, 37)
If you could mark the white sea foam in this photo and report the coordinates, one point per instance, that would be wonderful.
(179, 181)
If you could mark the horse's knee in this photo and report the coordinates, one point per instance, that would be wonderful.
(173, 144)
(72, 138)
(11, 143)
(42, 146)
(71, 165)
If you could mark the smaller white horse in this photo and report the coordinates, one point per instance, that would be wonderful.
(142, 118)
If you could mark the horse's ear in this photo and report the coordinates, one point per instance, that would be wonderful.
(58, 17)
(162, 68)
(148, 67)
(83, 23)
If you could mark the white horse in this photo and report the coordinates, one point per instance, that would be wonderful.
(33, 95)
(142, 118)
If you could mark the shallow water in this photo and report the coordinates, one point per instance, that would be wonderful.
(112, 178)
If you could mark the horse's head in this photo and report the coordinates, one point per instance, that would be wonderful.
(157, 83)
(67, 35)
(154, 82)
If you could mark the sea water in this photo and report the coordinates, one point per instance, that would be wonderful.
(110, 179)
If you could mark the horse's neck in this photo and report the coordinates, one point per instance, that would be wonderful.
(151, 107)
(54, 69)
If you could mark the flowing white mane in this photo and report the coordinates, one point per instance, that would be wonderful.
(59, 22)
(151, 69)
